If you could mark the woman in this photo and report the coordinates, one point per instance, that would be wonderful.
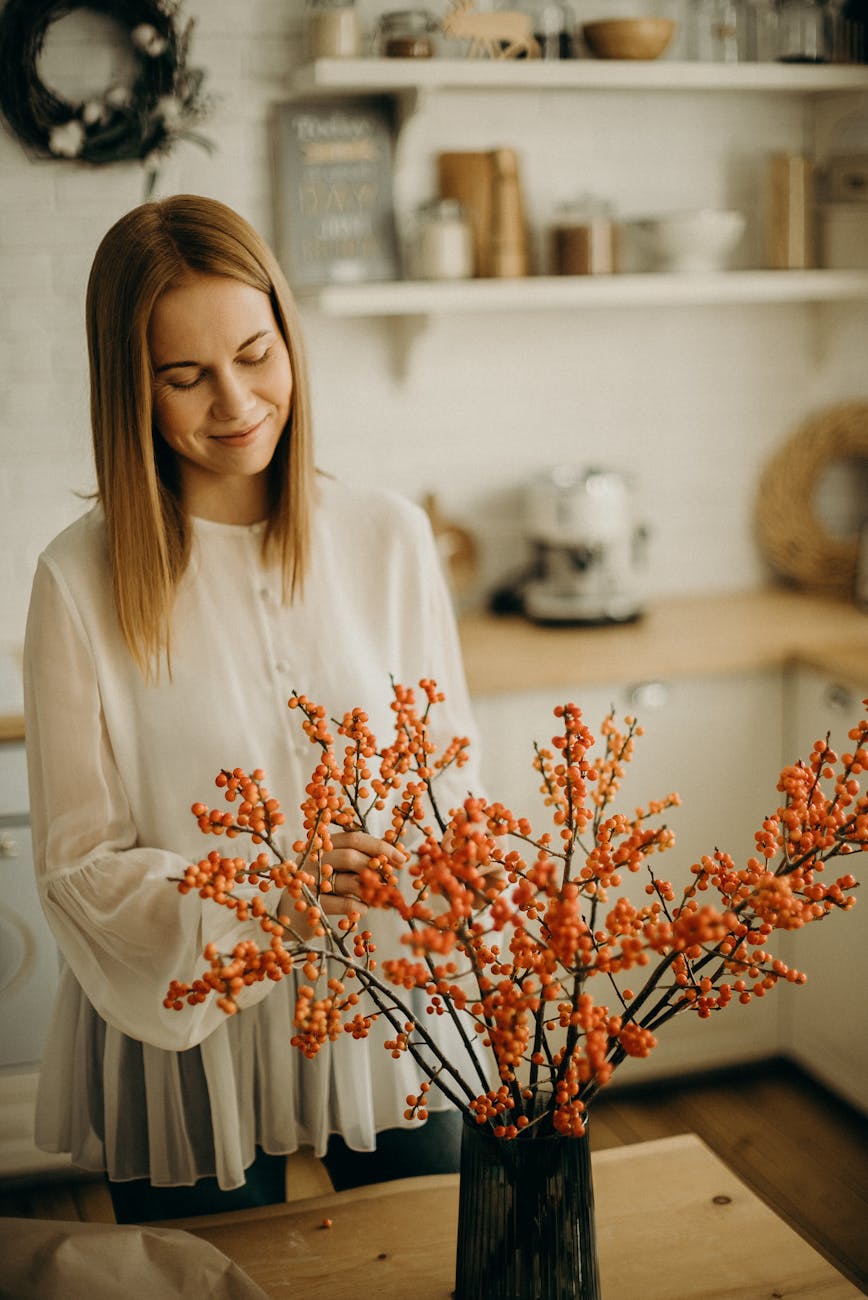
(168, 627)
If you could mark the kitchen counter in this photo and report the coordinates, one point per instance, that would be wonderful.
(677, 637)
(685, 636)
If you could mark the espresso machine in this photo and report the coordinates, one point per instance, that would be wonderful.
(588, 553)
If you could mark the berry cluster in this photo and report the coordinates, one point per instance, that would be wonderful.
(507, 929)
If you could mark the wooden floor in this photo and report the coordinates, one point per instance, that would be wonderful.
(799, 1148)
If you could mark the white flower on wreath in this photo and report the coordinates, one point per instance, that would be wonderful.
(94, 113)
(168, 110)
(118, 96)
(148, 40)
(67, 141)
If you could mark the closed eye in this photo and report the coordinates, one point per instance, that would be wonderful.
(256, 361)
(193, 383)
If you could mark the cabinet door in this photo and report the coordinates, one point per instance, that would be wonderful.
(716, 741)
(825, 1022)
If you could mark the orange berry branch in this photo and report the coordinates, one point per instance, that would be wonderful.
(510, 931)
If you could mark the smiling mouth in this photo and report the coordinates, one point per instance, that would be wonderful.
(243, 436)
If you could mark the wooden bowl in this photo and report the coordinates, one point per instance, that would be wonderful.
(628, 38)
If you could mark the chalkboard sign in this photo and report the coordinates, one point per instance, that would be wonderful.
(334, 191)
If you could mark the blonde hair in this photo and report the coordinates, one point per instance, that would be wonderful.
(149, 249)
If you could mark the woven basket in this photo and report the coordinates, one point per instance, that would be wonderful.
(795, 542)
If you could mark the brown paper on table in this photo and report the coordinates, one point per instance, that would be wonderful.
(47, 1259)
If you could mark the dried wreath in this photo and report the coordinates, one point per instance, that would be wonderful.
(126, 122)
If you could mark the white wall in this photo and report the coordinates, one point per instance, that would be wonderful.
(689, 401)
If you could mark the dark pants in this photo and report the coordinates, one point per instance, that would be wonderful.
(433, 1148)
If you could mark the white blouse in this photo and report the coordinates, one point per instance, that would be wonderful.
(114, 766)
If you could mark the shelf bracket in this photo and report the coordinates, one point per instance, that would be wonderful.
(402, 334)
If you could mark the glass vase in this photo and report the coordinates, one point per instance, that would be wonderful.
(525, 1218)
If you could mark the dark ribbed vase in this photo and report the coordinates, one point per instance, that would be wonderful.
(525, 1219)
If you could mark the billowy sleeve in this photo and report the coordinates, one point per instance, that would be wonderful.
(124, 930)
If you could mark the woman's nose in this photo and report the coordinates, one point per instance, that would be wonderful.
(232, 396)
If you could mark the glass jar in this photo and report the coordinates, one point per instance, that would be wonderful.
(760, 31)
(583, 239)
(333, 30)
(444, 242)
(713, 30)
(802, 32)
(406, 34)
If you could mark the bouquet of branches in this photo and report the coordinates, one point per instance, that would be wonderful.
(550, 976)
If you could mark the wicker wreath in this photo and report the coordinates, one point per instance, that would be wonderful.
(793, 539)
(127, 121)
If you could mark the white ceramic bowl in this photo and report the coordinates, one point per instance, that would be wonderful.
(700, 240)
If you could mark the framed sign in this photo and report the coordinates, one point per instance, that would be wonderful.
(333, 181)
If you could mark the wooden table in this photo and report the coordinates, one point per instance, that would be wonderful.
(673, 1223)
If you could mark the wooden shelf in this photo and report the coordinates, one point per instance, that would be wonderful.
(544, 293)
(394, 76)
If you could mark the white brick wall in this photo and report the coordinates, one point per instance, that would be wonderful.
(691, 402)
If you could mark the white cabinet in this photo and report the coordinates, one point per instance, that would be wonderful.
(825, 1022)
(716, 741)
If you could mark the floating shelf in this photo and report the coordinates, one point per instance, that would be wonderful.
(394, 76)
(544, 293)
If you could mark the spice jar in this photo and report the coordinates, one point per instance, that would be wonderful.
(333, 30)
(444, 241)
(583, 239)
(406, 34)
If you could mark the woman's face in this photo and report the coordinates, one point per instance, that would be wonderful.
(221, 392)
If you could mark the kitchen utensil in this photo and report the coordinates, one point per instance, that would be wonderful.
(488, 186)
(509, 243)
(588, 552)
(628, 38)
(700, 240)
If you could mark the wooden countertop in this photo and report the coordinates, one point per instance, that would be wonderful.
(677, 637)
(684, 636)
(673, 1223)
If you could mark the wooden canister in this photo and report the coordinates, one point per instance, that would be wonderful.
(790, 237)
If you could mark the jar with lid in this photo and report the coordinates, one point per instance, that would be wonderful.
(444, 241)
(333, 30)
(583, 239)
(406, 34)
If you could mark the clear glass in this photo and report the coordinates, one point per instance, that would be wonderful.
(760, 32)
(802, 32)
(713, 30)
(333, 30)
(406, 34)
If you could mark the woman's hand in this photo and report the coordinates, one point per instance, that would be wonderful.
(351, 851)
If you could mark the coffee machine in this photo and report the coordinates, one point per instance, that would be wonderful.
(587, 552)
